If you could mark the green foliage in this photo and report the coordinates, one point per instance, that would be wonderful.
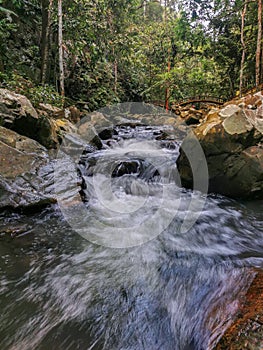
(45, 94)
(7, 27)
(7, 12)
(119, 51)
(36, 94)
(15, 82)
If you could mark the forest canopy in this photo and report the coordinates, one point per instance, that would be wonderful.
(99, 52)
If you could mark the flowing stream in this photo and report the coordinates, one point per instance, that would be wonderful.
(130, 285)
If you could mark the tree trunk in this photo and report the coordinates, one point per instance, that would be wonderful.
(2, 67)
(243, 15)
(167, 91)
(60, 45)
(144, 8)
(259, 38)
(115, 76)
(46, 22)
(165, 11)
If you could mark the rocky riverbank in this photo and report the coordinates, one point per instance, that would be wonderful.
(30, 137)
(26, 137)
(231, 138)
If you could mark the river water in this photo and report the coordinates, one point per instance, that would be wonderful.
(164, 289)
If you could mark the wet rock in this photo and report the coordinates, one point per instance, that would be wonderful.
(22, 175)
(94, 128)
(127, 167)
(50, 131)
(246, 330)
(107, 134)
(161, 135)
(89, 135)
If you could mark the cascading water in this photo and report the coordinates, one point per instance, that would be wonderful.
(175, 291)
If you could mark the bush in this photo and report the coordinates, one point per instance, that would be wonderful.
(36, 94)
(45, 94)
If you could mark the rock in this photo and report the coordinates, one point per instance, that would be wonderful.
(23, 170)
(238, 175)
(14, 106)
(89, 134)
(93, 125)
(49, 109)
(75, 114)
(237, 123)
(107, 134)
(259, 124)
(71, 113)
(231, 141)
(251, 174)
(46, 132)
(126, 167)
(132, 122)
(62, 127)
(246, 329)
(18, 114)
(51, 131)
(99, 121)
(229, 111)
(253, 100)
(192, 118)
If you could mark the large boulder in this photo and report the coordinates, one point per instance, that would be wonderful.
(25, 172)
(17, 111)
(18, 114)
(231, 140)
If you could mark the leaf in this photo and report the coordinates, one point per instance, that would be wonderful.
(8, 12)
